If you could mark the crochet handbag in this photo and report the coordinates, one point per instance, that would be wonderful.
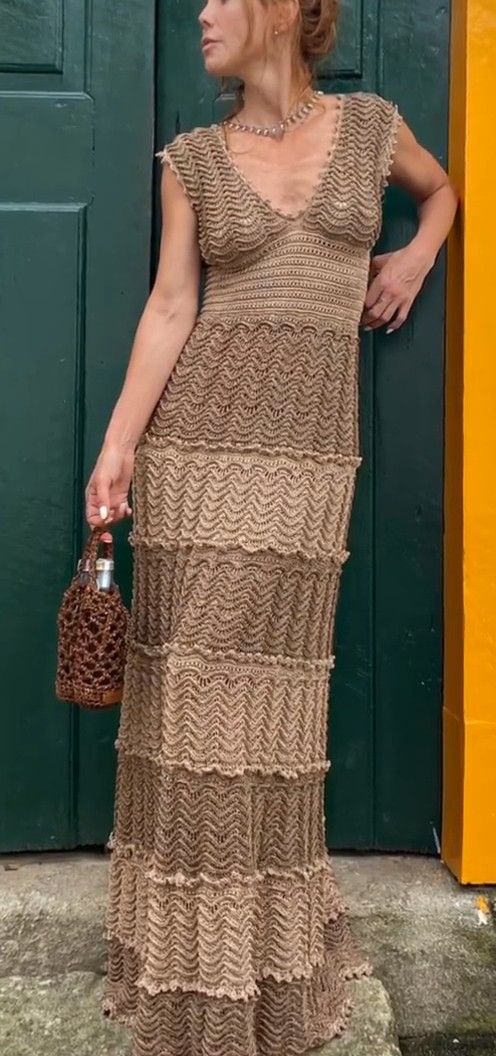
(93, 625)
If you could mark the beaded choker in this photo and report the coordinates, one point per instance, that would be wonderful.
(277, 130)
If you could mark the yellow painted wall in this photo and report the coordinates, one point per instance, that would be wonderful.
(469, 728)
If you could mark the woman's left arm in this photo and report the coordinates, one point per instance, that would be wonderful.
(397, 277)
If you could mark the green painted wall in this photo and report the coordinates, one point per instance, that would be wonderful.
(77, 128)
(89, 102)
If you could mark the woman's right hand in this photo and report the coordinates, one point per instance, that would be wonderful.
(108, 487)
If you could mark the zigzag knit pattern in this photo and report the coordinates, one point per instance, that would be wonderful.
(227, 934)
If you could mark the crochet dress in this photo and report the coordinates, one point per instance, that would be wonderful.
(226, 932)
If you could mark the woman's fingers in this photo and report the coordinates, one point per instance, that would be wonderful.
(107, 491)
(97, 518)
(394, 281)
(394, 314)
(115, 513)
(124, 510)
(401, 317)
(381, 312)
(102, 495)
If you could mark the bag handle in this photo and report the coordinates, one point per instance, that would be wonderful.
(90, 552)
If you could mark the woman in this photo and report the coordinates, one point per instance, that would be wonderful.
(238, 424)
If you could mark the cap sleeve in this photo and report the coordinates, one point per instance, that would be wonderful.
(178, 154)
(388, 120)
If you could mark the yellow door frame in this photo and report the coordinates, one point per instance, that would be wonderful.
(469, 712)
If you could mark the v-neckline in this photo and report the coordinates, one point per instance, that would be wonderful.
(319, 184)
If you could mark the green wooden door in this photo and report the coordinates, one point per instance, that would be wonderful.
(78, 186)
(77, 134)
(383, 788)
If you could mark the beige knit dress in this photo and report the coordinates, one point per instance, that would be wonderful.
(227, 934)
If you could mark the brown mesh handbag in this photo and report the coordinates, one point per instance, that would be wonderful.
(93, 626)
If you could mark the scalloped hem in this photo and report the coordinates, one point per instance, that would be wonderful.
(112, 1009)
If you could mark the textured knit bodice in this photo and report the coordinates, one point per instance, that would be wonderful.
(283, 296)
(312, 264)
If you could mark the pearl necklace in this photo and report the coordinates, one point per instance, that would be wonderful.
(277, 130)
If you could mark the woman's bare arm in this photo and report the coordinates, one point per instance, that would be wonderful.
(397, 277)
(165, 324)
(167, 319)
(419, 173)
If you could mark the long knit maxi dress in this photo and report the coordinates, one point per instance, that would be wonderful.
(227, 934)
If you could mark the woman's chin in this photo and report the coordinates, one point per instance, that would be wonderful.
(214, 65)
(216, 69)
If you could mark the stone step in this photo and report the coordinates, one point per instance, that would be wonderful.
(53, 960)
(449, 1045)
(432, 942)
(60, 1014)
(57, 1016)
(52, 908)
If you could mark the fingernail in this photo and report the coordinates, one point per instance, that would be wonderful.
(390, 331)
(367, 328)
(103, 512)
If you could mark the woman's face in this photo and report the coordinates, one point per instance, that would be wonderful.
(225, 23)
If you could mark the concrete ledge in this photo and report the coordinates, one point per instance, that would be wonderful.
(442, 1045)
(57, 1016)
(432, 941)
(53, 958)
(51, 912)
(61, 1015)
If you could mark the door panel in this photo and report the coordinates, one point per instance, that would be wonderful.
(383, 788)
(76, 125)
(78, 184)
(408, 474)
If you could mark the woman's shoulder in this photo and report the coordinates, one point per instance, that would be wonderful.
(190, 142)
(373, 135)
(373, 125)
(189, 156)
(372, 104)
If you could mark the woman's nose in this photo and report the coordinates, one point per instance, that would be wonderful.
(204, 16)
